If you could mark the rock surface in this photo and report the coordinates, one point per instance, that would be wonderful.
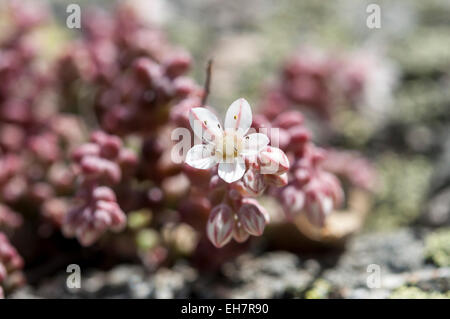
(400, 257)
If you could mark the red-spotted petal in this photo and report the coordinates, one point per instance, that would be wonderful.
(205, 124)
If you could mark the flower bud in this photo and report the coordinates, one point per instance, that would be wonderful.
(318, 206)
(184, 86)
(276, 180)
(239, 233)
(272, 160)
(88, 149)
(177, 64)
(299, 136)
(147, 70)
(220, 225)
(333, 187)
(254, 182)
(288, 119)
(252, 219)
(293, 201)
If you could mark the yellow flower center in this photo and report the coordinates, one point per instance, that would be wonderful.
(229, 146)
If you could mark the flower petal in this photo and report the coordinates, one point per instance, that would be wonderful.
(231, 172)
(205, 124)
(239, 116)
(220, 225)
(200, 156)
(253, 143)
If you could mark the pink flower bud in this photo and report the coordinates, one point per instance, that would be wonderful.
(147, 70)
(239, 233)
(100, 213)
(284, 139)
(276, 180)
(118, 220)
(241, 189)
(184, 86)
(260, 121)
(288, 119)
(272, 160)
(333, 188)
(177, 64)
(293, 201)
(88, 149)
(254, 182)
(318, 206)
(220, 225)
(102, 168)
(252, 219)
(110, 147)
(102, 220)
(299, 136)
(104, 193)
(302, 175)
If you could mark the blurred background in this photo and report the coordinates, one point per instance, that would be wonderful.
(378, 99)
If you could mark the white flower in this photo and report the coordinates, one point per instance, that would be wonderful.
(228, 147)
